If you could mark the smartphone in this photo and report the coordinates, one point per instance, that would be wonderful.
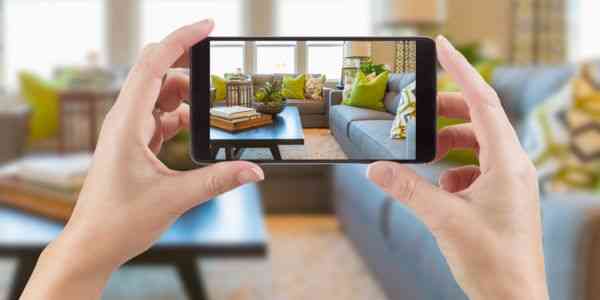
(313, 100)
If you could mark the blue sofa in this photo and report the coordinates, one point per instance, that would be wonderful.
(402, 254)
(364, 133)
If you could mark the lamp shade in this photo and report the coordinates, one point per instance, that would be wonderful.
(357, 49)
(416, 12)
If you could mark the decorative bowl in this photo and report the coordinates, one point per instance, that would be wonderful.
(269, 108)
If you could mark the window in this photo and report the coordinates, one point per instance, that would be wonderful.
(42, 35)
(325, 57)
(323, 17)
(275, 57)
(584, 23)
(160, 17)
(226, 57)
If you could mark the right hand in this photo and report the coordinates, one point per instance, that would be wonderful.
(486, 219)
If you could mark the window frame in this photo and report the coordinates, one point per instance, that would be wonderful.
(275, 44)
(325, 44)
(243, 45)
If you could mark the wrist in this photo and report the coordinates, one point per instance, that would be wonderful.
(63, 271)
(511, 286)
(77, 257)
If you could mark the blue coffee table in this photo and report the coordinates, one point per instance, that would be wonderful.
(231, 225)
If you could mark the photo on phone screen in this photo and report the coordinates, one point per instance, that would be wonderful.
(303, 99)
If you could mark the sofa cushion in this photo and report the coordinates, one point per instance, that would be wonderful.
(373, 140)
(347, 114)
(308, 107)
(396, 83)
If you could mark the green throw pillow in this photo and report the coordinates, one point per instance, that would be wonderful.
(368, 94)
(463, 157)
(293, 88)
(220, 85)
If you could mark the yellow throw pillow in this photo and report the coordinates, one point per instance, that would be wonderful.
(44, 100)
(368, 94)
(293, 88)
(220, 84)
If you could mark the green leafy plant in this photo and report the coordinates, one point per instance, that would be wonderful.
(270, 94)
(369, 67)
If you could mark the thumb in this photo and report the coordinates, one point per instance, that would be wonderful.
(432, 205)
(191, 188)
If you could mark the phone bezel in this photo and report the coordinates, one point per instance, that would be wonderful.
(426, 77)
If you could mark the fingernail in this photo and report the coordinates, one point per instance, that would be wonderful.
(442, 40)
(206, 22)
(381, 174)
(251, 175)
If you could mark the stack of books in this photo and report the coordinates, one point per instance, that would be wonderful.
(45, 185)
(237, 118)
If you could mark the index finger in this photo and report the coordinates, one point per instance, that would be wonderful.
(494, 132)
(144, 81)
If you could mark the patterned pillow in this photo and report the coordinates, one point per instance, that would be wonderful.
(406, 110)
(314, 88)
(563, 140)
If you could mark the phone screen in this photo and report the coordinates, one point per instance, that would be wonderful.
(313, 99)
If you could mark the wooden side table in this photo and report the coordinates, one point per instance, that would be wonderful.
(239, 92)
(89, 98)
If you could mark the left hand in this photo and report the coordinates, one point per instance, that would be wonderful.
(130, 197)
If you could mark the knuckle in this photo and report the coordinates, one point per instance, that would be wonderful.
(215, 185)
(406, 190)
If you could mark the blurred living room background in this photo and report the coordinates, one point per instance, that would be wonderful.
(327, 232)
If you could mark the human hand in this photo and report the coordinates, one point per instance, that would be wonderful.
(486, 219)
(129, 197)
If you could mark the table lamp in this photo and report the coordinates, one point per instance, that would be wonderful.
(355, 53)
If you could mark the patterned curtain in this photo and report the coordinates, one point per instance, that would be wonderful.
(406, 57)
(538, 32)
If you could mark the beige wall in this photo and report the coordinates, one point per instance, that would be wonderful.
(487, 22)
(384, 53)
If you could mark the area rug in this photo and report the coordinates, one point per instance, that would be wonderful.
(309, 258)
(318, 144)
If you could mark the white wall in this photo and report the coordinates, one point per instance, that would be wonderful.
(122, 31)
(583, 39)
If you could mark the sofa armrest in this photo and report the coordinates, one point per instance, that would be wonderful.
(571, 233)
(571, 226)
(335, 97)
(326, 94)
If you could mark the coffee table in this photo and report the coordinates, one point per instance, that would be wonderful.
(231, 225)
(285, 130)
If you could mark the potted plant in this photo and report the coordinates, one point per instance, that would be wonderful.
(369, 67)
(269, 100)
